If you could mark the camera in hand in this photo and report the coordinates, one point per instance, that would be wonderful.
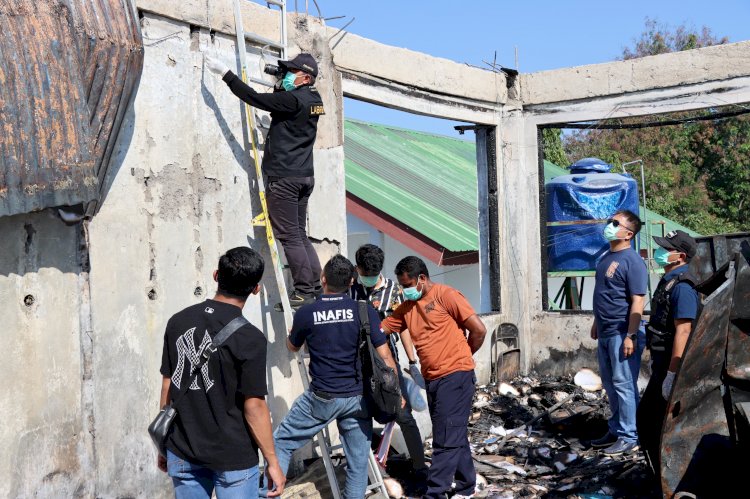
(273, 70)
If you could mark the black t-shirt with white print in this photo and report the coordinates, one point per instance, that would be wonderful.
(210, 427)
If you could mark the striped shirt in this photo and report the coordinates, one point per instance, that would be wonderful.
(385, 299)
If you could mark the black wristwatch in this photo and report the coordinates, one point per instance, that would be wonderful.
(412, 362)
(632, 336)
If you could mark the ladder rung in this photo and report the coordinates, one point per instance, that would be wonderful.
(265, 41)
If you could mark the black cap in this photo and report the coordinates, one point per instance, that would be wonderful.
(304, 62)
(678, 240)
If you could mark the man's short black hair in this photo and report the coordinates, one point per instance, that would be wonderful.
(634, 221)
(240, 270)
(338, 272)
(369, 259)
(412, 266)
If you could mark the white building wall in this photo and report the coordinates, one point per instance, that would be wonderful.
(464, 278)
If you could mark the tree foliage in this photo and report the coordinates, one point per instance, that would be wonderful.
(661, 39)
(697, 173)
(552, 146)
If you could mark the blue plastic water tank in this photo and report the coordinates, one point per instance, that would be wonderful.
(589, 193)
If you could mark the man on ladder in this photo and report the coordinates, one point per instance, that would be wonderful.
(331, 327)
(295, 106)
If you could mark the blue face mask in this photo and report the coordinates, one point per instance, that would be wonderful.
(288, 81)
(610, 232)
(661, 257)
(413, 293)
(369, 281)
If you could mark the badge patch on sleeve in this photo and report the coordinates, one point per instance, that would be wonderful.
(317, 110)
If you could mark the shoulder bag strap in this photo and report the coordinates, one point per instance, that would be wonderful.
(217, 341)
(364, 320)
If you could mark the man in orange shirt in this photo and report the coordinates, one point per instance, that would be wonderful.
(437, 317)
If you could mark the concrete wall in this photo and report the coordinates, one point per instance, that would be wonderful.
(82, 364)
(709, 77)
(44, 438)
(85, 368)
(718, 76)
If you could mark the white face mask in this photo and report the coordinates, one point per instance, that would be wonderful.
(610, 232)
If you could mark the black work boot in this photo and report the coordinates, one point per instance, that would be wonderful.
(296, 300)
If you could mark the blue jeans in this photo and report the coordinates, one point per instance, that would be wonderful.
(620, 380)
(193, 481)
(309, 415)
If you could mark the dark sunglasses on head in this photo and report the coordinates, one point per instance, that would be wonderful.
(617, 223)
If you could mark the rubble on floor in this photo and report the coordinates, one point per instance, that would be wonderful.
(529, 438)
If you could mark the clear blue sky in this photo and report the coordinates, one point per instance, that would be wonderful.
(549, 34)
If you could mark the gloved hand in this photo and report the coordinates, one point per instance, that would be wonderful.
(416, 375)
(666, 386)
(216, 66)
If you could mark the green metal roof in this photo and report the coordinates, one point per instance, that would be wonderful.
(429, 182)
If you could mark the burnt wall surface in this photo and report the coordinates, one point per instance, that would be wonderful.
(86, 304)
(68, 69)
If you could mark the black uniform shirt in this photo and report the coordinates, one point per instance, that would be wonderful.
(294, 125)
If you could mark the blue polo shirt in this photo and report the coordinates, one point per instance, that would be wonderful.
(684, 298)
(619, 276)
(330, 326)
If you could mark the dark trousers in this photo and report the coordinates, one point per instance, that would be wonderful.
(410, 432)
(651, 411)
(449, 399)
(287, 206)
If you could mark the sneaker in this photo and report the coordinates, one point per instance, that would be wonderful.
(605, 441)
(620, 447)
(296, 300)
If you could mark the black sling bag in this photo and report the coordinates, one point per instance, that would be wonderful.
(380, 383)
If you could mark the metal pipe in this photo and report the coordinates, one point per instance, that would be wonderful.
(649, 242)
(283, 31)
(643, 193)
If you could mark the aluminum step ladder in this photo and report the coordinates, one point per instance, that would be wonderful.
(322, 439)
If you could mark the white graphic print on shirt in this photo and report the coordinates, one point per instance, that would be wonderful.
(186, 350)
